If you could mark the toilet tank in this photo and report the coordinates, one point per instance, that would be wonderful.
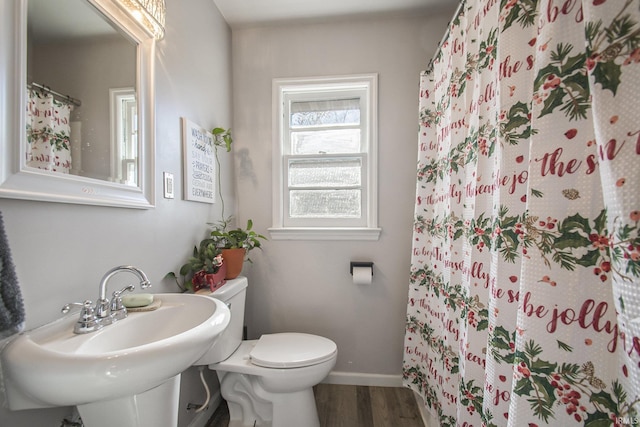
(233, 293)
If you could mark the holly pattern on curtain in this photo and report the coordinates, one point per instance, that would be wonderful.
(48, 132)
(524, 304)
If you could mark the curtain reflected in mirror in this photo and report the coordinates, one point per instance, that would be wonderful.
(82, 115)
(48, 131)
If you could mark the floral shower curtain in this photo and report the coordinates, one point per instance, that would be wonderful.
(48, 132)
(524, 304)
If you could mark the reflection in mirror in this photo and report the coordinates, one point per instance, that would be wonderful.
(79, 120)
(124, 135)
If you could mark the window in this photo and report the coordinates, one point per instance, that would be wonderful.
(325, 148)
(124, 136)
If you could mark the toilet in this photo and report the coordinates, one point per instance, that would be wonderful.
(268, 381)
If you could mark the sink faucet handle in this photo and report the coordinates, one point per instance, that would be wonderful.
(118, 294)
(67, 307)
(118, 310)
(88, 321)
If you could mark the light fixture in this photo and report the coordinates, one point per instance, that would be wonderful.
(149, 13)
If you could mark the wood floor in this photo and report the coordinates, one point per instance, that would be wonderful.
(354, 406)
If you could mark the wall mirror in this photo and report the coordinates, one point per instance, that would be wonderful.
(79, 104)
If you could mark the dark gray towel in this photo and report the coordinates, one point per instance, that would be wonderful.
(11, 307)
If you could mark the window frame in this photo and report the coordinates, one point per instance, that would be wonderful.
(124, 126)
(302, 89)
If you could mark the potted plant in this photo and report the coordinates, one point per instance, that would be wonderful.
(226, 249)
(235, 244)
(206, 268)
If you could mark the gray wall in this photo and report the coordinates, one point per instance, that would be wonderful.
(305, 285)
(61, 251)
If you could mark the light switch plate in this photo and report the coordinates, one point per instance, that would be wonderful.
(168, 185)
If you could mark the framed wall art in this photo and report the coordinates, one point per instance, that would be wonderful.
(199, 163)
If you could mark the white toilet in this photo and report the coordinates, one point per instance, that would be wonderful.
(269, 381)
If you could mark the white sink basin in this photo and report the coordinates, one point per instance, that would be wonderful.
(52, 366)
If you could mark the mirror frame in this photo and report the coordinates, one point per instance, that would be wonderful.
(18, 181)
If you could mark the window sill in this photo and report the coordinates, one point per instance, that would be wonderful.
(325, 233)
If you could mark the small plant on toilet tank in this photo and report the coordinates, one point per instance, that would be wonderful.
(205, 260)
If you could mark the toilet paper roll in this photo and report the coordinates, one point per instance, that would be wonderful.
(362, 275)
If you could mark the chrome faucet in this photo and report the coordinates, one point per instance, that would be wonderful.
(105, 312)
(108, 312)
(88, 321)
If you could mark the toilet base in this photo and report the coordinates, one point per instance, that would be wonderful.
(251, 405)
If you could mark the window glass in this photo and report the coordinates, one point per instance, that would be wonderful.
(322, 113)
(334, 173)
(326, 141)
(325, 204)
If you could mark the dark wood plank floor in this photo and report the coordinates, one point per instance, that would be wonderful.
(354, 406)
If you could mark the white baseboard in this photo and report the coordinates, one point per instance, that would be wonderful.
(358, 378)
(202, 419)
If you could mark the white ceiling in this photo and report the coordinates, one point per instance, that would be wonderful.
(242, 13)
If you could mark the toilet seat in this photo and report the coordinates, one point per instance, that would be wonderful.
(291, 350)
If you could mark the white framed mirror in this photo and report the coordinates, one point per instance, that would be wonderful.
(93, 166)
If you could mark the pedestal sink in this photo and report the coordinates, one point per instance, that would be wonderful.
(125, 374)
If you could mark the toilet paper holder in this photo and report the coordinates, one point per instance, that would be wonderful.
(360, 264)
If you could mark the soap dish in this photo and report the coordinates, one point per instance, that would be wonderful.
(153, 306)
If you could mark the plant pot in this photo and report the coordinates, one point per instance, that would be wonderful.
(213, 281)
(234, 259)
(216, 280)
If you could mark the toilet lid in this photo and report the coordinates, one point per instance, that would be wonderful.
(291, 350)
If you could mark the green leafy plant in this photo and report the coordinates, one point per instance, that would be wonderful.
(236, 238)
(206, 259)
(223, 236)
(222, 137)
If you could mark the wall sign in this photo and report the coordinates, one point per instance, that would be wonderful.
(199, 163)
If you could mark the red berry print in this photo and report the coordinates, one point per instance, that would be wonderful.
(571, 133)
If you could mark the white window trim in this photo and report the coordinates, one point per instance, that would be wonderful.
(116, 96)
(369, 232)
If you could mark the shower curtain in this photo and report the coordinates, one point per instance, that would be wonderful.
(524, 300)
(48, 131)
